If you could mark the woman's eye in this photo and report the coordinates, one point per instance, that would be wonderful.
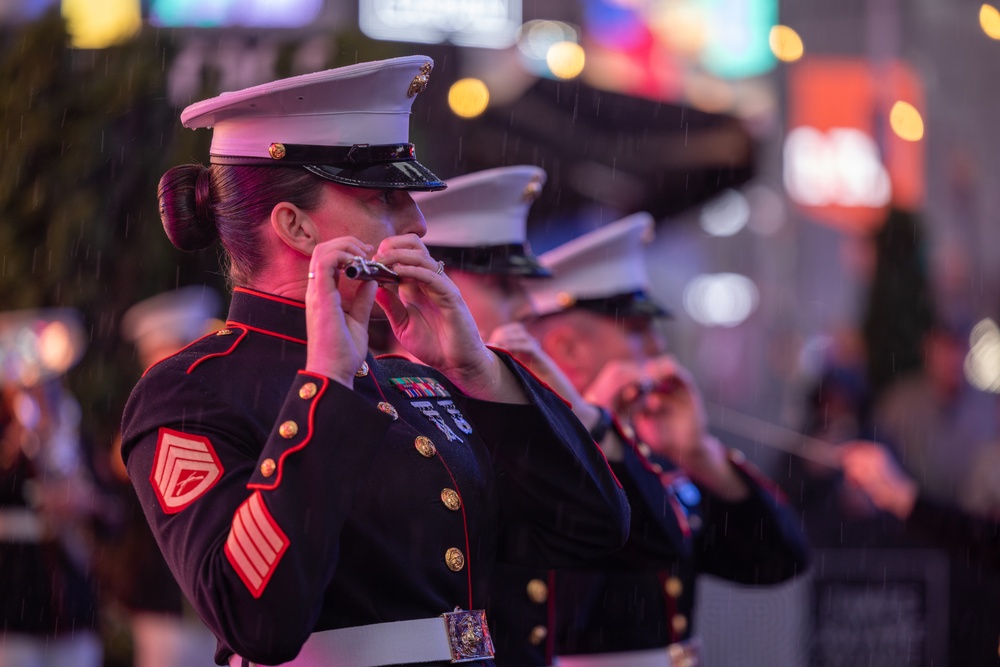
(385, 196)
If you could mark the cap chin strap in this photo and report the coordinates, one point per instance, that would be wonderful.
(282, 155)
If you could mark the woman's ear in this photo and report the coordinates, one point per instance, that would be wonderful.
(560, 342)
(294, 227)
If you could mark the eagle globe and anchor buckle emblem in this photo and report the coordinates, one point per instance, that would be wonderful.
(468, 635)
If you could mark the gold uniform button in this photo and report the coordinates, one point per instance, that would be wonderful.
(363, 371)
(454, 559)
(679, 623)
(565, 299)
(538, 635)
(657, 468)
(288, 429)
(276, 151)
(308, 390)
(538, 591)
(224, 332)
(425, 446)
(388, 409)
(673, 587)
(645, 450)
(451, 499)
(267, 467)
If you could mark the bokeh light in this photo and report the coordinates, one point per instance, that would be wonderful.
(535, 38)
(565, 59)
(906, 122)
(786, 45)
(720, 299)
(982, 362)
(989, 20)
(98, 24)
(726, 214)
(468, 98)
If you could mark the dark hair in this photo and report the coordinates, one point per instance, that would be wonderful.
(228, 203)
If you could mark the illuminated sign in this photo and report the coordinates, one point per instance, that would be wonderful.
(843, 163)
(480, 23)
(739, 33)
(840, 166)
(222, 13)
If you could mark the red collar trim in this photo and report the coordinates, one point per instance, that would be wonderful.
(267, 332)
(271, 297)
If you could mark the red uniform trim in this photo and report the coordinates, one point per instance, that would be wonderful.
(266, 332)
(270, 297)
(310, 423)
(465, 529)
(157, 363)
(226, 352)
(529, 372)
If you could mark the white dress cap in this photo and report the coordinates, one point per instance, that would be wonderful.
(603, 270)
(349, 124)
(171, 319)
(479, 223)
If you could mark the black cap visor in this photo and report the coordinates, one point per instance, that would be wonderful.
(505, 260)
(633, 304)
(401, 175)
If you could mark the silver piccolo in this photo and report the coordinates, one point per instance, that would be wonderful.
(368, 269)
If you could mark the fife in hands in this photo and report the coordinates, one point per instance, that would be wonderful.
(367, 269)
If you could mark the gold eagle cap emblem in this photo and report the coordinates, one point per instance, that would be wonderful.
(419, 83)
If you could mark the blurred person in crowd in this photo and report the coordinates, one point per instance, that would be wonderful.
(165, 630)
(934, 420)
(837, 515)
(52, 507)
(697, 506)
(319, 506)
(937, 424)
(933, 425)
(872, 468)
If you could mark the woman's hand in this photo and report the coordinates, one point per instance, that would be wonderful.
(431, 321)
(338, 338)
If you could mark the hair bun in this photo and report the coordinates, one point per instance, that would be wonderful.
(185, 197)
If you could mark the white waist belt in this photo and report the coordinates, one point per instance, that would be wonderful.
(680, 654)
(19, 524)
(458, 636)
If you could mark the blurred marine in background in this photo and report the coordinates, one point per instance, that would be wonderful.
(52, 506)
(697, 506)
(165, 630)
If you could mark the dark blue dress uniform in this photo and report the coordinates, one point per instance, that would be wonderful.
(287, 503)
(642, 596)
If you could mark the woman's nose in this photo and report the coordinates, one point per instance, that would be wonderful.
(410, 219)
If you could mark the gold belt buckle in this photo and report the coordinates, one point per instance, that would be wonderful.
(468, 635)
